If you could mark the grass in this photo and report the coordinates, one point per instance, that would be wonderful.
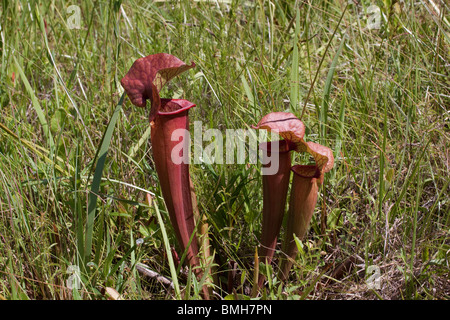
(76, 168)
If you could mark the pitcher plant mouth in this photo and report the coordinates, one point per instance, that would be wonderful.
(283, 146)
(307, 171)
(170, 107)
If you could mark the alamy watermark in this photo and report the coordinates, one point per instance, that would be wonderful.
(74, 280)
(234, 146)
(373, 13)
(74, 20)
(373, 280)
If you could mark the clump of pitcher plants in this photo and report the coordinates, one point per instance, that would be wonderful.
(144, 81)
(305, 184)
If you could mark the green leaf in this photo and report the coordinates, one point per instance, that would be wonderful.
(37, 107)
(294, 66)
(323, 115)
(237, 296)
(95, 186)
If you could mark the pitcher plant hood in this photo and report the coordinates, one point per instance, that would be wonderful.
(148, 75)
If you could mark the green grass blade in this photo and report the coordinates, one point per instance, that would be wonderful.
(37, 107)
(414, 233)
(323, 115)
(408, 180)
(51, 59)
(321, 61)
(38, 150)
(142, 140)
(95, 186)
(295, 87)
(77, 204)
(172, 267)
(340, 136)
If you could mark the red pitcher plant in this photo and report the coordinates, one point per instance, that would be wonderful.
(304, 189)
(143, 81)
